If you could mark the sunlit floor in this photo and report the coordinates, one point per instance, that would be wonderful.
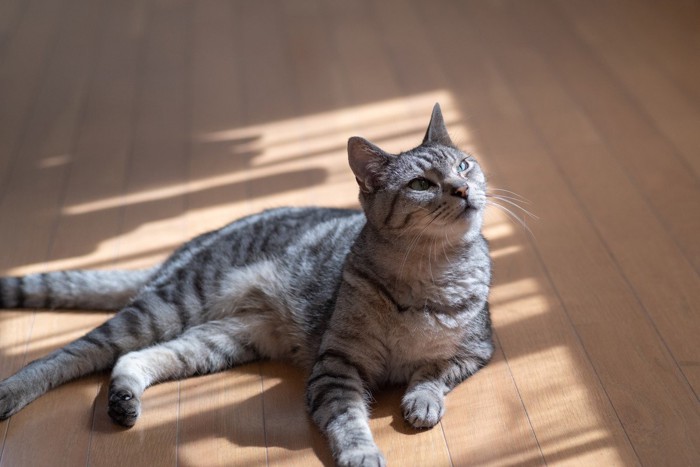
(129, 126)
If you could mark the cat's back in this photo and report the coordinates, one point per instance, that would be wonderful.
(265, 235)
(275, 231)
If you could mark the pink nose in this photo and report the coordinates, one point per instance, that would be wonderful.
(462, 191)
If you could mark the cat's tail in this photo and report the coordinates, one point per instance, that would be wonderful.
(78, 289)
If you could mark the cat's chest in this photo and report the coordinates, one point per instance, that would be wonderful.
(430, 325)
(414, 337)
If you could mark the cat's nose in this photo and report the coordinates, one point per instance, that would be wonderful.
(462, 191)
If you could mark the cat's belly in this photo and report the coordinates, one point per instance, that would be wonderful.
(258, 297)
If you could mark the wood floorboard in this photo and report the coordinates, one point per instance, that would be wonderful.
(24, 66)
(674, 115)
(645, 332)
(673, 41)
(648, 157)
(667, 103)
(625, 209)
(50, 132)
(11, 14)
(127, 127)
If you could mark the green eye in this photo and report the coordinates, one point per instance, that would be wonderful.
(420, 184)
(464, 165)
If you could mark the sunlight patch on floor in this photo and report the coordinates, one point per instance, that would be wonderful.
(385, 117)
(297, 161)
(496, 226)
(541, 352)
(142, 247)
(305, 143)
(521, 290)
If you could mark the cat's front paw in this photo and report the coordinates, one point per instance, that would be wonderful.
(12, 399)
(124, 407)
(423, 408)
(365, 457)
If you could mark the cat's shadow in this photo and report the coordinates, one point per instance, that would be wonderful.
(273, 418)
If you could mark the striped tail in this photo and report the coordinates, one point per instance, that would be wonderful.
(79, 289)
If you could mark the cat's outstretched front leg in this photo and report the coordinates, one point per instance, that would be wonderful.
(337, 401)
(423, 405)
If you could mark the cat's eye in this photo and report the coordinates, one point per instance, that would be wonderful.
(464, 166)
(420, 184)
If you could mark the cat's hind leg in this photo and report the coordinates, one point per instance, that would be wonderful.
(206, 348)
(148, 319)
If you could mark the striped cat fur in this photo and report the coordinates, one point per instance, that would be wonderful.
(393, 294)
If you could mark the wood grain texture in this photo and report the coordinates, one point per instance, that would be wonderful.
(52, 132)
(127, 127)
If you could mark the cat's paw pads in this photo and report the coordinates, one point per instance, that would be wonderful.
(422, 408)
(361, 458)
(124, 407)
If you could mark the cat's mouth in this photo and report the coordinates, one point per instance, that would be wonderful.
(474, 202)
(470, 205)
(469, 208)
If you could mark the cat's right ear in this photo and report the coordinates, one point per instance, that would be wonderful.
(437, 131)
(366, 161)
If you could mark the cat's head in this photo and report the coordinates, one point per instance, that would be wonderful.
(434, 189)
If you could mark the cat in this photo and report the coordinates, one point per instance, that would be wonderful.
(396, 293)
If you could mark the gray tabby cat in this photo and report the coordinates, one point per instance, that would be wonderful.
(396, 294)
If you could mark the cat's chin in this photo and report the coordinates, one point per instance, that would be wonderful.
(468, 223)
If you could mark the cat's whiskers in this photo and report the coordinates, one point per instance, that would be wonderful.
(405, 258)
(510, 201)
(430, 255)
(511, 214)
(512, 198)
(514, 194)
(444, 252)
(416, 239)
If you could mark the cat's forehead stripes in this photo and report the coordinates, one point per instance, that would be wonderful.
(430, 154)
(424, 163)
(431, 158)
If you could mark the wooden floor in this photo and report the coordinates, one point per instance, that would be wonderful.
(128, 126)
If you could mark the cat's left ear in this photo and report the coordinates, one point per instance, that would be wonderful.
(437, 132)
(366, 161)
